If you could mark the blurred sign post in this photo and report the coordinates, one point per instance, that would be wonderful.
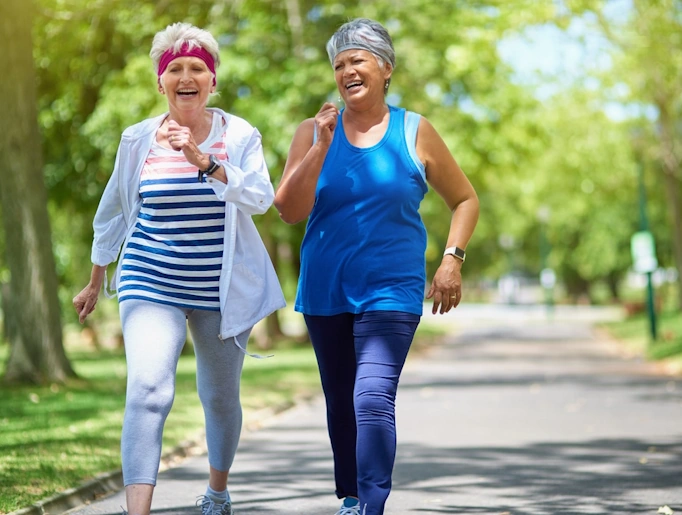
(548, 280)
(644, 261)
(509, 286)
(642, 244)
(547, 275)
(643, 251)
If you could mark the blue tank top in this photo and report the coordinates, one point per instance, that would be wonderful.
(364, 244)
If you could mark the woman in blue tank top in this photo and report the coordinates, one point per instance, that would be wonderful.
(359, 176)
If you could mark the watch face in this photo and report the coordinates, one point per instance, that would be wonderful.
(456, 252)
(213, 165)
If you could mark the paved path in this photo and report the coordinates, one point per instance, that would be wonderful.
(517, 414)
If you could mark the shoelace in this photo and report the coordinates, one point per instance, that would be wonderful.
(353, 510)
(209, 507)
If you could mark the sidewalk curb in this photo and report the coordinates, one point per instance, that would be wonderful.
(108, 483)
(96, 488)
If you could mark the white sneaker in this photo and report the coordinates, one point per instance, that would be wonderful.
(347, 508)
(210, 507)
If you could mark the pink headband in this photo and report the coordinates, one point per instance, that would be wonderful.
(196, 51)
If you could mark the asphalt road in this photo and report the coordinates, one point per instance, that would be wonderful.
(517, 413)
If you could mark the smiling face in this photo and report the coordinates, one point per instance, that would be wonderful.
(359, 77)
(186, 82)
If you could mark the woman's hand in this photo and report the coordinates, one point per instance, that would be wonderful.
(181, 139)
(446, 288)
(326, 120)
(86, 301)
(295, 196)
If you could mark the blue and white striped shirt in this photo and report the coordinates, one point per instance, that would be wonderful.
(175, 254)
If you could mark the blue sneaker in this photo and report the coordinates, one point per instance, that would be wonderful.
(210, 507)
(350, 506)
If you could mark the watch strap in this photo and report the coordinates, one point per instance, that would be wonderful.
(213, 165)
(456, 252)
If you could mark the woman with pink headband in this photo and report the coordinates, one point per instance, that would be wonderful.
(177, 214)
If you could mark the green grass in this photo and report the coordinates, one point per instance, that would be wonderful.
(635, 333)
(56, 437)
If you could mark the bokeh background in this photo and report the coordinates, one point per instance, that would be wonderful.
(566, 115)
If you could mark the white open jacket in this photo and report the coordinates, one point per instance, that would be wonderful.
(249, 289)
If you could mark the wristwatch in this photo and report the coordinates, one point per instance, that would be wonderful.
(456, 252)
(213, 165)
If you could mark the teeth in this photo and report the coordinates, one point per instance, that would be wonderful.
(353, 84)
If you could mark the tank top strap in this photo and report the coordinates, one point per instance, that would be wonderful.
(217, 123)
(216, 134)
(411, 128)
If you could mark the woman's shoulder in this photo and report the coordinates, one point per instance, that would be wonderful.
(305, 133)
(307, 125)
(426, 128)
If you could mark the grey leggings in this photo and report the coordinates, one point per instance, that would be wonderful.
(154, 335)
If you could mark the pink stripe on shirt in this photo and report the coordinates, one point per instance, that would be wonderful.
(163, 161)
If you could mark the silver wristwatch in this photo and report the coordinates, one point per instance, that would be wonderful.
(457, 252)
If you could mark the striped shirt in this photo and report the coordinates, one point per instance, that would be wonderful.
(174, 255)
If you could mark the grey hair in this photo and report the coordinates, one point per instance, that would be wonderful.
(178, 34)
(364, 34)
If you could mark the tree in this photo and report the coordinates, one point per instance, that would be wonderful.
(589, 184)
(37, 354)
(275, 73)
(647, 50)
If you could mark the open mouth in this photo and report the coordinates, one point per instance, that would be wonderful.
(187, 93)
(354, 86)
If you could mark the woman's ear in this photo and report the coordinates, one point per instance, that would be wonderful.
(160, 86)
(388, 70)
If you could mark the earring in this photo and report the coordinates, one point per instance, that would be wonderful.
(386, 85)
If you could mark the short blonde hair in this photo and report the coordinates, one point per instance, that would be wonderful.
(178, 34)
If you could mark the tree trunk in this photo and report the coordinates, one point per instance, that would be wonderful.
(37, 354)
(273, 330)
(577, 287)
(613, 282)
(671, 167)
(296, 27)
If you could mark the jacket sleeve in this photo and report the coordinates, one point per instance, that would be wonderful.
(248, 184)
(109, 225)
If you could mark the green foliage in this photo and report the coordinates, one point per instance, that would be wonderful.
(645, 80)
(587, 180)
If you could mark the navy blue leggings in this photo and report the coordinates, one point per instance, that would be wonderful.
(360, 359)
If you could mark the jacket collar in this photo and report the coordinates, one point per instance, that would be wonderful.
(145, 127)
